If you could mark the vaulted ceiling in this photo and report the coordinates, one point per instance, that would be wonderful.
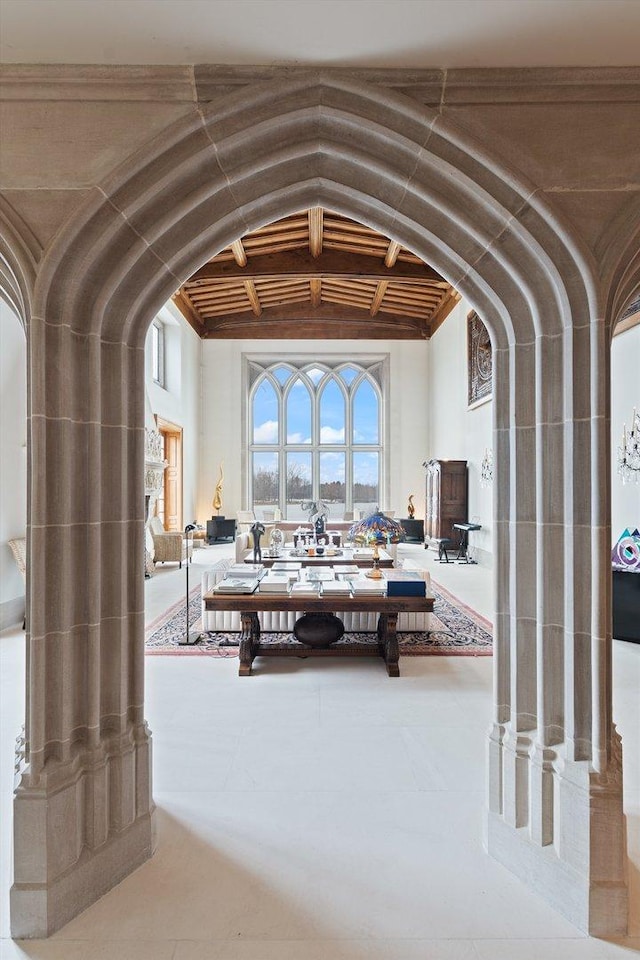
(316, 275)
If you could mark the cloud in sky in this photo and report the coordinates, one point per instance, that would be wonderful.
(331, 435)
(266, 432)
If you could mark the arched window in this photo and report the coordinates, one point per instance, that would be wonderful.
(315, 432)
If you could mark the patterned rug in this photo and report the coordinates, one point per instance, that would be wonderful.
(456, 630)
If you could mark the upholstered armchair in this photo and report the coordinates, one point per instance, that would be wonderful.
(168, 547)
(245, 519)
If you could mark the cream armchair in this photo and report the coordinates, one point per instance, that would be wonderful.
(168, 547)
(245, 519)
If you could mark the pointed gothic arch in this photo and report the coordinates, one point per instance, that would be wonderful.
(230, 167)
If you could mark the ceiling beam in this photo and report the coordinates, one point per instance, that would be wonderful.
(443, 311)
(254, 299)
(392, 253)
(184, 305)
(238, 252)
(316, 291)
(300, 263)
(631, 320)
(315, 231)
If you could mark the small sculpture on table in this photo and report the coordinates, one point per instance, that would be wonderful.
(217, 496)
(410, 508)
(257, 531)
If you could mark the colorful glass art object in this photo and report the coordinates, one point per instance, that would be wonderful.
(626, 553)
(376, 528)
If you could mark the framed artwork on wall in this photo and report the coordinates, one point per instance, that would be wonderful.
(479, 361)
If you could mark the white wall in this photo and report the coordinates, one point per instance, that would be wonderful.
(13, 461)
(223, 428)
(455, 431)
(179, 400)
(625, 395)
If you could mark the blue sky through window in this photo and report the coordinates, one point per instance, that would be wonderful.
(299, 414)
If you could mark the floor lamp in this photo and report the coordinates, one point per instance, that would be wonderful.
(189, 640)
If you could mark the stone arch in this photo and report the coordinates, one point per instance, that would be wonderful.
(377, 156)
(19, 255)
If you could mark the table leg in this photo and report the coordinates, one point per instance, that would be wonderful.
(388, 642)
(249, 639)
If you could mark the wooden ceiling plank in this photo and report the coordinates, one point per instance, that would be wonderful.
(315, 231)
(331, 263)
(327, 312)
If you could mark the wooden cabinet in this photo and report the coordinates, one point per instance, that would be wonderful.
(446, 498)
(413, 529)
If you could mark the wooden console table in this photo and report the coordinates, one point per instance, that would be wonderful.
(251, 605)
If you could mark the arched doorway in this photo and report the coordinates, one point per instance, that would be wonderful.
(375, 156)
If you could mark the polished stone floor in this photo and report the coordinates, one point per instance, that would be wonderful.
(320, 811)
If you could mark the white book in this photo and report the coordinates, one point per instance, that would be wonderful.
(305, 588)
(281, 565)
(336, 587)
(320, 573)
(346, 568)
(275, 583)
(236, 585)
(244, 570)
(372, 587)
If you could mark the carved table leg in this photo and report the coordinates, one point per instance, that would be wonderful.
(388, 641)
(249, 638)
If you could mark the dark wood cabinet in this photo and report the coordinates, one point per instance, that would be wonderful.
(413, 529)
(219, 528)
(446, 499)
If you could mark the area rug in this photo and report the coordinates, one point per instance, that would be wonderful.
(456, 631)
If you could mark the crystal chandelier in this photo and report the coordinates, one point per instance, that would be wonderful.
(629, 451)
(486, 469)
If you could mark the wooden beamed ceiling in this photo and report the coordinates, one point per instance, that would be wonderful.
(316, 275)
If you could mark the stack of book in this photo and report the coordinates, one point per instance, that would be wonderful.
(349, 568)
(369, 588)
(305, 588)
(335, 588)
(320, 573)
(275, 583)
(236, 585)
(281, 565)
(405, 583)
(243, 570)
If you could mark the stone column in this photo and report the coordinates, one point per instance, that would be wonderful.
(555, 779)
(83, 812)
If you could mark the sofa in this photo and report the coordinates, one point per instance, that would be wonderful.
(223, 621)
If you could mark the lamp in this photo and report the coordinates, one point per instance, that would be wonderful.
(486, 469)
(376, 529)
(189, 641)
(629, 451)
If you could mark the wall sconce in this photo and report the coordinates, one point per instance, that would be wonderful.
(629, 451)
(486, 470)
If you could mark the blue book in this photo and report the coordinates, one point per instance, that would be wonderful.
(406, 588)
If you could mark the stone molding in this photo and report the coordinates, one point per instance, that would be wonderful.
(373, 154)
(61, 81)
(431, 85)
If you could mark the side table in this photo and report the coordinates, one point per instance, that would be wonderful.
(221, 528)
(414, 529)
